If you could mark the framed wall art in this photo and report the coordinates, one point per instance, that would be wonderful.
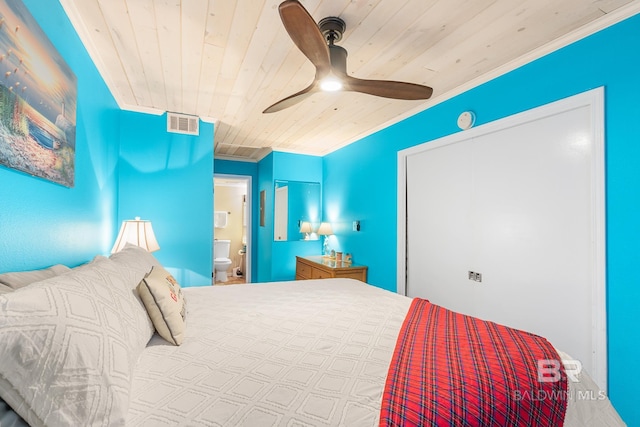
(38, 95)
(263, 202)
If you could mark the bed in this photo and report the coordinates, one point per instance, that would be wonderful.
(303, 353)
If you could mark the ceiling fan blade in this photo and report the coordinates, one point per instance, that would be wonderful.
(387, 88)
(305, 33)
(293, 99)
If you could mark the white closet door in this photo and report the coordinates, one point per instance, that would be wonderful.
(522, 203)
(531, 228)
(439, 225)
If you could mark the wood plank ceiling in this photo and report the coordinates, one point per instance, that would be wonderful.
(226, 61)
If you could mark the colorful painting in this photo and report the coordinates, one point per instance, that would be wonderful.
(37, 100)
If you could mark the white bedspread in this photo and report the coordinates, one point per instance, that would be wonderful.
(291, 353)
(280, 354)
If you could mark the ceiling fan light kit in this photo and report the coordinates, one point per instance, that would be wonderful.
(331, 84)
(317, 43)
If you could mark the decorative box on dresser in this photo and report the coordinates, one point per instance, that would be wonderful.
(319, 267)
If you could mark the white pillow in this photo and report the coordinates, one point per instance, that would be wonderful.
(68, 346)
(19, 279)
(163, 298)
(134, 263)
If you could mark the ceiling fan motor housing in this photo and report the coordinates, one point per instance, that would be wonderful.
(332, 29)
(338, 56)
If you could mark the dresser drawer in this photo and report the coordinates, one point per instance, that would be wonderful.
(316, 273)
(303, 270)
(318, 267)
(359, 274)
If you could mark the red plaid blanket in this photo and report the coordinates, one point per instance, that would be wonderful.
(449, 369)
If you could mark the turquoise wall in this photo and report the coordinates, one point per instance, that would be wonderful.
(277, 260)
(265, 230)
(366, 189)
(167, 178)
(231, 167)
(42, 223)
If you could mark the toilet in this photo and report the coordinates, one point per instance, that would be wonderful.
(221, 261)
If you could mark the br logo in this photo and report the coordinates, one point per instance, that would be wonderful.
(549, 370)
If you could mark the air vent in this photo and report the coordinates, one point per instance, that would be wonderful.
(182, 123)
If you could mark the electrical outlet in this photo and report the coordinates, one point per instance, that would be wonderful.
(476, 277)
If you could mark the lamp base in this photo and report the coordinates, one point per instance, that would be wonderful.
(325, 246)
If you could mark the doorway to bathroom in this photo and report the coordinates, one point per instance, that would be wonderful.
(231, 229)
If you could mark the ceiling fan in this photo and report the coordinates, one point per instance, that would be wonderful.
(316, 41)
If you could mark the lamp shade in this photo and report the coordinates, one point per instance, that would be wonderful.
(305, 227)
(137, 232)
(325, 229)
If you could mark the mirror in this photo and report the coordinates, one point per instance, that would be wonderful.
(294, 203)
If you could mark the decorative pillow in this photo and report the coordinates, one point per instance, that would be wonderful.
(16, 280)
(68, 346)
(162, 296)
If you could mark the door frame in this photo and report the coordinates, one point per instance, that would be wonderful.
(249, 215)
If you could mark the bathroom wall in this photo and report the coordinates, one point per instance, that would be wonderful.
(229, 198)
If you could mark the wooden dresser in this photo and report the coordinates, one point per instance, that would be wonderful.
(318, 267)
